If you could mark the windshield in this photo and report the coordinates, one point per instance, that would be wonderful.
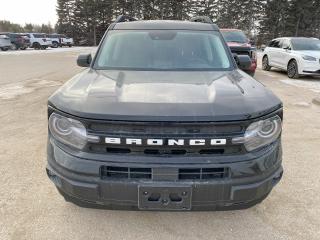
(305, 44)
(39, 35)
(163, 50)
(236, 36)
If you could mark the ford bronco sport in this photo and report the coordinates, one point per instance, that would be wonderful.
(164, 119)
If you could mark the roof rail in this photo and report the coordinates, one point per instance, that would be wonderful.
(202, 19)
(124, 18)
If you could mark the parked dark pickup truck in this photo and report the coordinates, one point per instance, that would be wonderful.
(239, 44)
(164, 119)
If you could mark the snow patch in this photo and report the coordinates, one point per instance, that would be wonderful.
(11, 91)
(313, 85)
(49, 50)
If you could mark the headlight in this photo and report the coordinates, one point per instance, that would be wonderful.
(69, 131)
(309, 58)
(260, 134)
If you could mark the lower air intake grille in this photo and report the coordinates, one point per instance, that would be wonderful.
(202, 173)
(125, 172)
(116, 172)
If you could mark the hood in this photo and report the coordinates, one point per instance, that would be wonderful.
(164, 96)
(309, 53)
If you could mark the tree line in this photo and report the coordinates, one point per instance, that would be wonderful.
(87, 20)
(7, 26)
(260, 19)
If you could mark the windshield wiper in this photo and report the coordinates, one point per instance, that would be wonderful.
(237, 42)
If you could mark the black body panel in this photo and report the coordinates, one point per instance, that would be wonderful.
(164, 96)
(240, 183)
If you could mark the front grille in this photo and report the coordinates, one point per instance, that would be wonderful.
(101, 148)
(243, 53)
(125, 172)
(163, 128)
(116, 172)
(202, 173)
(165, 131)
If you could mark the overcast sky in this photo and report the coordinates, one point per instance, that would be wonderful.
(28, 11)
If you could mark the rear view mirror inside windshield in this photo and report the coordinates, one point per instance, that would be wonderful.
(162, 35)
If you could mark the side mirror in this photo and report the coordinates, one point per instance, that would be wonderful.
(243, 62)
(252, 42)
(84, 60)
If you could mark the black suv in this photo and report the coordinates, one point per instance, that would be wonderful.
(163, 119)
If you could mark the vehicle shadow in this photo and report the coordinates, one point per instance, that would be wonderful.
(302, 77)
(247, 224)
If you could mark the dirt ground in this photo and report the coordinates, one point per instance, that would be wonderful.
(31, 208)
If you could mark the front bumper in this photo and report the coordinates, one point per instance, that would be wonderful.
(251, 179)
(309, 68)
(5, 46)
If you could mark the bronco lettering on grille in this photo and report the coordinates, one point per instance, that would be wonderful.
(168, 142)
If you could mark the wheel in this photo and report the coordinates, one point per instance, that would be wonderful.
(55, 45)
(36, 45)
(292, 69)
(14, 47)
(265, 63)
(23, 48)
(4, 49)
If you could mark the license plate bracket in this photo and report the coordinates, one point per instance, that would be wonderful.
(162, 197)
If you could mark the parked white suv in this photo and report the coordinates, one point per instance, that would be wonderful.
(60, 40)
(297, 55)
(39, 40)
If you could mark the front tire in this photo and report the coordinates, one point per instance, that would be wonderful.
(4, 49)
(55, 45)
(14, 47)
(36, 45)
(292, 69)
(265, 64)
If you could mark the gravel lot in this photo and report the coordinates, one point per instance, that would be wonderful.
(31, 208)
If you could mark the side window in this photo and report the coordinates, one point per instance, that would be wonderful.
(271, 44)
(286, 44)
(276, 44)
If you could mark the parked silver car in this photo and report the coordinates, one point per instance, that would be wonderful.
(5, 42)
